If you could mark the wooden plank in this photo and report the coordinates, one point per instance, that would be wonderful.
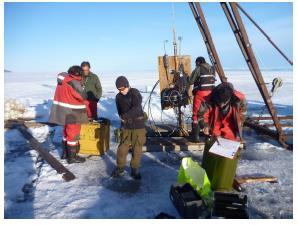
(253, 178)
(51, 160)
(261, 129)
(152, 141)
(170, 140)
(179, 141)
(269, 132)
(237, 186)
(157, 144)
(28, 123)
(270, 118)
(273, 125)
(175, 148)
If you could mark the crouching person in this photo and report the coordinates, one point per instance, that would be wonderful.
(223, 117)
(69, 109)
(133, 133)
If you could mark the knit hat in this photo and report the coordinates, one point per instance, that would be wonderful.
(200, 60)
(121, 82)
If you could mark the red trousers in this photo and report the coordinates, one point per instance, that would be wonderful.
(71, 134)
(91, 107)
(197, 100)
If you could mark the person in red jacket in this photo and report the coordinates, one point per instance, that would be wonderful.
(224, 115)
(69, 109)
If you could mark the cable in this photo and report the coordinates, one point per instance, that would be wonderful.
(149, 108)
(263, 32)
(150, 93)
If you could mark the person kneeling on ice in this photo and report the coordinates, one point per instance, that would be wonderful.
(133, 133)
(224, 116)
(69, 109)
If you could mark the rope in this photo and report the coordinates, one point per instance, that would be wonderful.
(264, 33)
(276, 83)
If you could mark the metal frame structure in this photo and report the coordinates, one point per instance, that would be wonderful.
(238, 28)
(203, 27)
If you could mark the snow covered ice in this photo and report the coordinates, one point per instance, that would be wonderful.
(34, 190)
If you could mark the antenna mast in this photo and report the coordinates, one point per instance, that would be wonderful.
(174, 30)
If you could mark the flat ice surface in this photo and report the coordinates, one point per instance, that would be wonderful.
(34, 190)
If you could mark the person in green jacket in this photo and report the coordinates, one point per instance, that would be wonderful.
(92, 87)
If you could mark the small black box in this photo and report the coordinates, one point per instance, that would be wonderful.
(230, 206)
(187, 201)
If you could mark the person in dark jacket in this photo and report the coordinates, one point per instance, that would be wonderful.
(69, 109)
(92, 87)
(133, 133)
(203, 81)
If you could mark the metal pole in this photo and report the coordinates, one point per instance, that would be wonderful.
(238, 37)
(203, 27)
(254, 68)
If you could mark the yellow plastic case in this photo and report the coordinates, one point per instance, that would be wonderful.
(95, 137)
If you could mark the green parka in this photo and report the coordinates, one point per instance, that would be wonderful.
(92, 87)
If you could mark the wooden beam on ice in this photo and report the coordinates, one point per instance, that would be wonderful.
(253, 178)
(51, 160)
(160, 144)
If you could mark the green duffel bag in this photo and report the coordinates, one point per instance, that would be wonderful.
(221, 171)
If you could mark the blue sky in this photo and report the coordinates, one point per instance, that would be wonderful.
(46, 37)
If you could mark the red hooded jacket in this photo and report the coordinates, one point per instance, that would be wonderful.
(69, 101)
(230, 126)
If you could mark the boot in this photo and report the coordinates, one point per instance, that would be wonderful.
(118, 172)
(72, 155)
(195, 132)
(135, 173)
(64, 150)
